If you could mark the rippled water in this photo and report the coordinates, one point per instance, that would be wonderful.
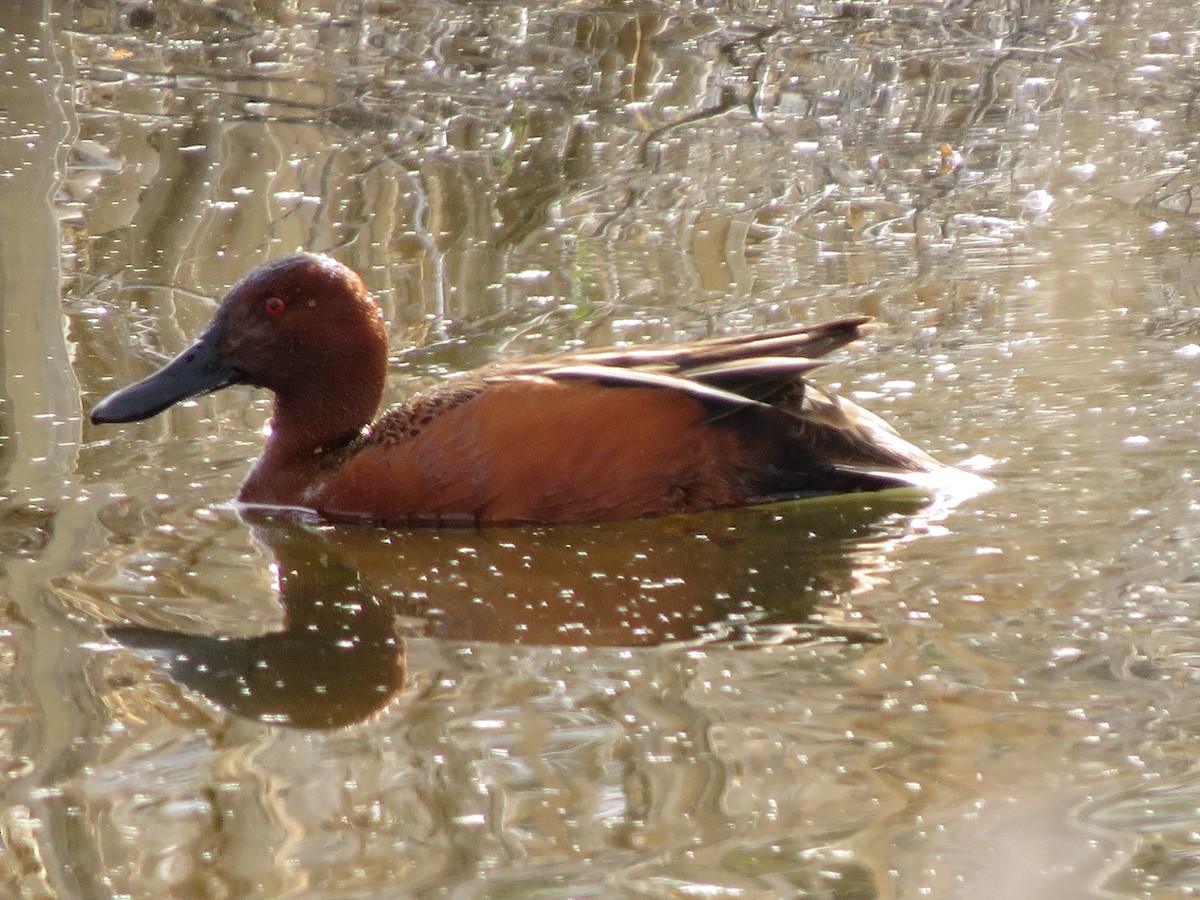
(853, 697)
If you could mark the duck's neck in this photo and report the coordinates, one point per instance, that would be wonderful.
(305, 431)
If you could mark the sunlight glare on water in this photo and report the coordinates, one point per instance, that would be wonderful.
(989, 695)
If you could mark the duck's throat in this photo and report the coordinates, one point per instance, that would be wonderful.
(300, 453)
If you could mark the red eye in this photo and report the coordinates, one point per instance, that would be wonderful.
(273, 306)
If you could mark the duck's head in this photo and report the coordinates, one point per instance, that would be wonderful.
(302, 326)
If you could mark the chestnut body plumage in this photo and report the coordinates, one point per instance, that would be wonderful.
(589, 436)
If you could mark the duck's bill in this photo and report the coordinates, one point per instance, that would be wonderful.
(200, 369)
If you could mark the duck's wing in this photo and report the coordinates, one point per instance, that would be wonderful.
(807, 341)
(739, 371)
(763, 375)
(847, 437)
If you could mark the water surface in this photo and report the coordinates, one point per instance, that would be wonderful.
(855, 697)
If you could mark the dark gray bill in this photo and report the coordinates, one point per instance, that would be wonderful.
(200, 369)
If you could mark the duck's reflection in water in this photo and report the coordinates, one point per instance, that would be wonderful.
(352, 595)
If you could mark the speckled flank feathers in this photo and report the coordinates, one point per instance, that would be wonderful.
(407, 418)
